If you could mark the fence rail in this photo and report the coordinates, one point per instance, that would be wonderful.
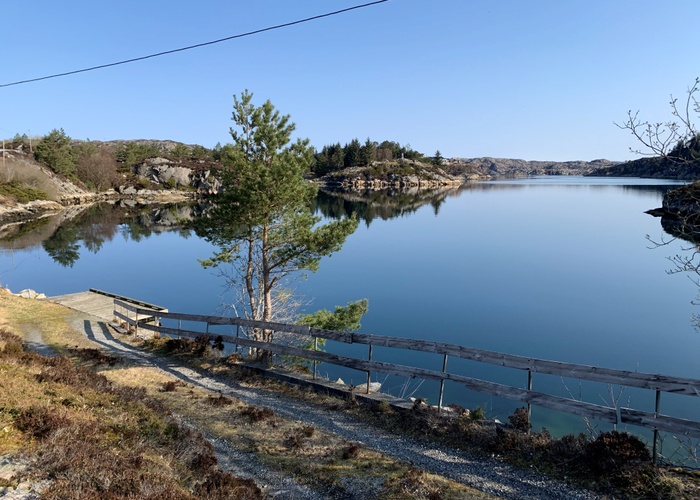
(658, 383)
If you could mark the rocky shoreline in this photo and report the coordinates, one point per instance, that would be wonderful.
(21, 212)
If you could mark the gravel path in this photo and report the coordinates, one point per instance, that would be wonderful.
(490, 476)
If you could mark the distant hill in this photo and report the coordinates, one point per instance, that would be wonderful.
(506, 167)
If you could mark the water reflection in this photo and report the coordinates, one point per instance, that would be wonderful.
(368, 205)
(63, 236)
(385, 204)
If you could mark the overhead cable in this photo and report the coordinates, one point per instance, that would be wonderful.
(190, 47)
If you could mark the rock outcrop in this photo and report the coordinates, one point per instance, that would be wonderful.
(682, 201)
(652, 168)
(401, 174)
(10, 212)
(171, 173)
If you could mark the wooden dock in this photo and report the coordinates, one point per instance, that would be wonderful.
(101, 304)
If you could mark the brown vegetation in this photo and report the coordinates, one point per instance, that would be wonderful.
(90, 438)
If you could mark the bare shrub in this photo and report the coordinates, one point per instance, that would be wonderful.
(415, 483)
(520, 420)
(97, 168)
(222, 485)
(258, 414)
(178, 345)
(95, 355)
(169, 386)
(61, 370)
(352, 451)
(13, 348)
(219, 400)
(41, 421)
(611, 451)
(294, 441)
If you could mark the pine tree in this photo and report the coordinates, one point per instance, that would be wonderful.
(55, 151)
(352, 154)
(263, 224)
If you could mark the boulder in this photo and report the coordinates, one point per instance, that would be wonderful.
(28, 293)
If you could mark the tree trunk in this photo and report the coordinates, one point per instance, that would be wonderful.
(250, 281)
(267, 292)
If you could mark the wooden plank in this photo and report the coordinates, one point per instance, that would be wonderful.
(137, 309)
(345, 337)
(678, 426)
(126, 318)
(128, 299)
(582, 408)
(676, 385)
(598, 412)
(87, 302)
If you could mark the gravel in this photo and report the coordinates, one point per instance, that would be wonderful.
(488, 475)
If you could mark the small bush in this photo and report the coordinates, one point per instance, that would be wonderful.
(169, 386)
(222, 485)
(96, 356)
(352, 451)
(294, 441)
(219, 400)
(21, 193)
(13, 348)
(611, 451)
(178, 345)
(258, 414)
(519, 420)
(41, 421)
(477, 414)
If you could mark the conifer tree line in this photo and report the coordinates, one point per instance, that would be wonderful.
(335, 157)
(97, 164)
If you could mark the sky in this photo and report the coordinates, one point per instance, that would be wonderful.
(536, 80)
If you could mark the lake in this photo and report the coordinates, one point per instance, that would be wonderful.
(550, 267)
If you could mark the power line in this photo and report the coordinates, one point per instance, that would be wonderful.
(190, 47)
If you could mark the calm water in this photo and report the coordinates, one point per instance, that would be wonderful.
(555, 267)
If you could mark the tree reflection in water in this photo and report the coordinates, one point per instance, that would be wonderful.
(63, 235)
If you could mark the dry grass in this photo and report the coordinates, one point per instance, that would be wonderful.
(26, 171)
(94, 439)
(316, 458)
(53, 322)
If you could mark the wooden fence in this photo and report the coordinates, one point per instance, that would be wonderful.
(658, 383)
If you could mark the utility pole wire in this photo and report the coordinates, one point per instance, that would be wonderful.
(182, 49)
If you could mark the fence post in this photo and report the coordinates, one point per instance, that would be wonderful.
(657, 409)
(442, 383)
(136, 325)
(315, 350)
(529, 406)
(369, 373)
(238, 334)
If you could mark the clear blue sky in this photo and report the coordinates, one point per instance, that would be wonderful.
(538, 80)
